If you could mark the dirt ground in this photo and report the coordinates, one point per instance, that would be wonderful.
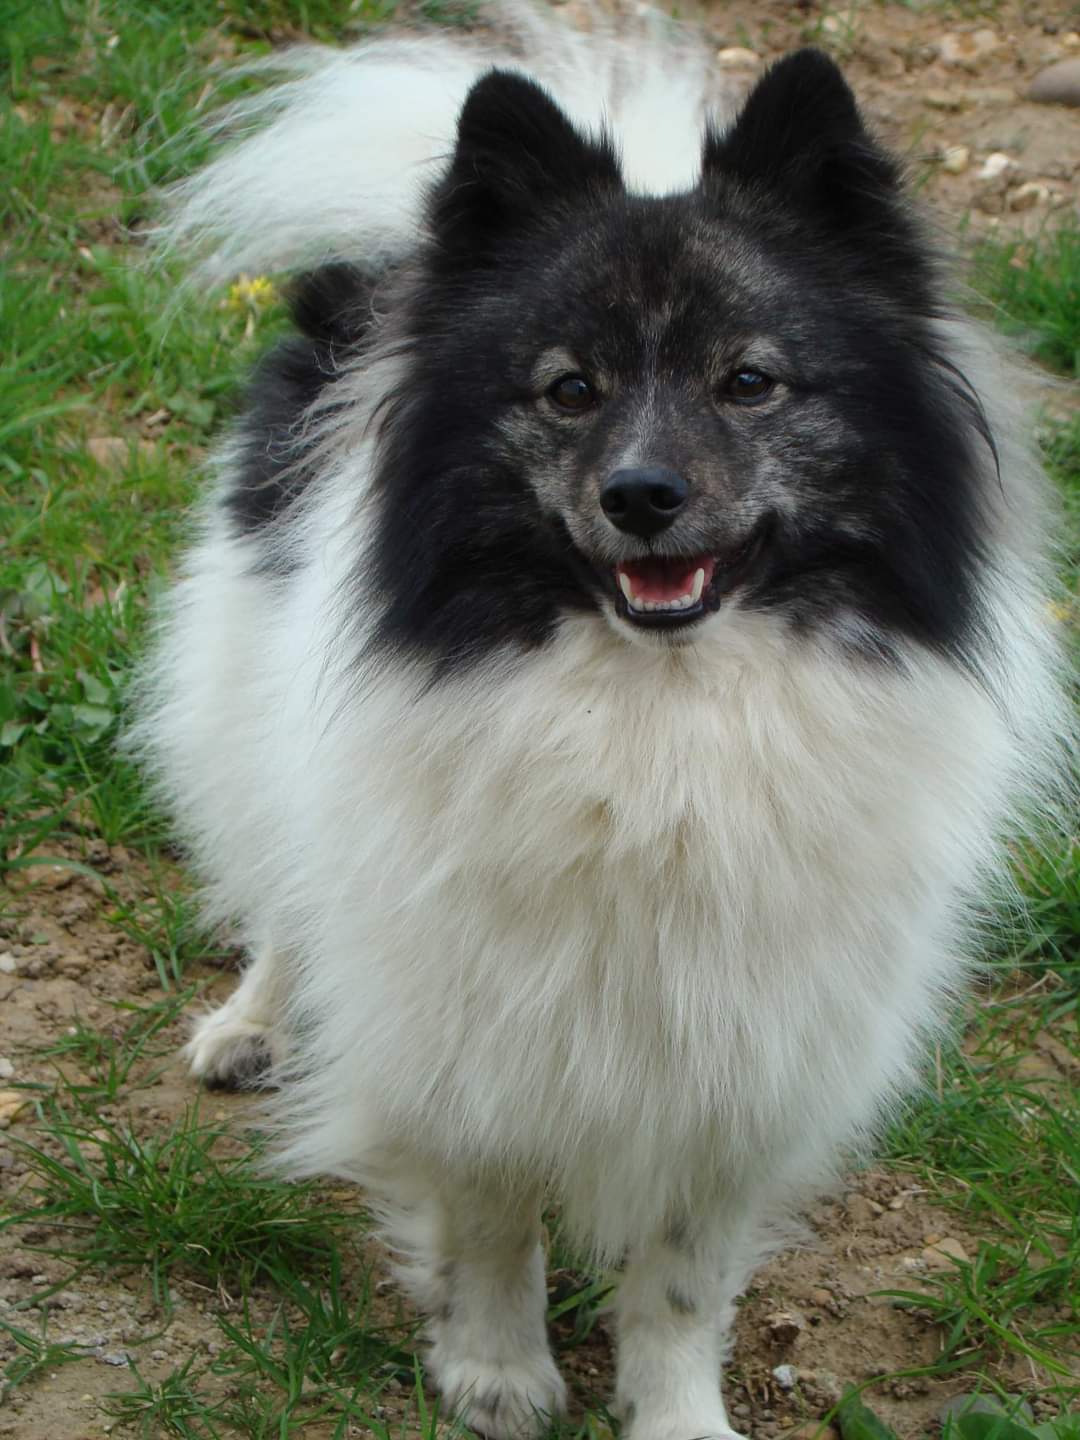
(947, 91)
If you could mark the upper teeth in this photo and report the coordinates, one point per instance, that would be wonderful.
(682, 602)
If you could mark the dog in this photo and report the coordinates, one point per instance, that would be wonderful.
(614, 655)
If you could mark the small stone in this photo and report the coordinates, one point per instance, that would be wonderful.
(12, 1102)
(1025, 197)
(862, 1211)
(967, 49)
(1012, 1406)
(784, 1327)
(1058, 84)
(737, 57)
(115, 1357)
(828, 1389)
(784, 1375)
(943, 1255)
(821, 1297)
(8, 964)
(996, 164)
(7, 1069)
(943, 100)
(955, 159)
(53, 877)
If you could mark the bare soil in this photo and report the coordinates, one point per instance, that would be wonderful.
(817, 1310)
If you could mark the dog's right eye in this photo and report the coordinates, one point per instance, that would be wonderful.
(573, 393)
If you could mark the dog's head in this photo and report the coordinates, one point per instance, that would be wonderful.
(662, 408)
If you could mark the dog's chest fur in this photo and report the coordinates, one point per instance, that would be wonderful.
(621, 901)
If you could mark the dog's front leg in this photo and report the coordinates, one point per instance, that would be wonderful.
(674, 1310)
(490, 1355)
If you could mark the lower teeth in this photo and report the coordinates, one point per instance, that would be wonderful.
(648, 606)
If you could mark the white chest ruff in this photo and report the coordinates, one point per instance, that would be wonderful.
(611, 907)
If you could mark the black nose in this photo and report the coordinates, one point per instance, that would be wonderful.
(643, 502)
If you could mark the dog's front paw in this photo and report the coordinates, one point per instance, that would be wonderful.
(227, 1053)
(511, 1400)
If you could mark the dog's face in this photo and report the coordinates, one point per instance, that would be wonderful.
(661, 408)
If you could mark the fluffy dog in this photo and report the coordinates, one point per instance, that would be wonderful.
(614, 653)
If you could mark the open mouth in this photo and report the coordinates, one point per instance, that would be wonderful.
(665, 591)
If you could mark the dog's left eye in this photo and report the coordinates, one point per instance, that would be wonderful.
(572, 392)
(748, 387)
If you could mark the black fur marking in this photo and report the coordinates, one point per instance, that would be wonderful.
(797, 240)
(490, 1402)
(517, 155)
(800, 135)
(681, 1304)
(678, 1235)
(331, 308)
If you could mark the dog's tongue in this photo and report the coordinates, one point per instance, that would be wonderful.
(660, 578)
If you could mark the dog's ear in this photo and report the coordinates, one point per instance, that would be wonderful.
(517, 156)
(800, 133)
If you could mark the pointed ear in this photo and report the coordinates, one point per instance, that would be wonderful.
(517, 155)
(801, 134)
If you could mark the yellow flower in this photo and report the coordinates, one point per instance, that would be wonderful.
(251, 293)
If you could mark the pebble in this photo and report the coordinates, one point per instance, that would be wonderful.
(942, 1255)
(11, 1103)
(861, 1210)
(8, 964)
(1058, 84)
(943, 100)
(966, 49)
(737, 57)
(995, 164)
(115, 1357)
(955, 159)
(1028, 195)
(784, 1327)
(7, 1069)
(784, 1375)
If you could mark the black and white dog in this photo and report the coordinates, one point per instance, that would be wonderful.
(615, 651)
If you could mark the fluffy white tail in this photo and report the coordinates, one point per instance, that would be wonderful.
(333, 163)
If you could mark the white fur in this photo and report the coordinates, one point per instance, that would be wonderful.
(654, 930)
(342, 152)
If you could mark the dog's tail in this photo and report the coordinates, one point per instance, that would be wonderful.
(333, 162)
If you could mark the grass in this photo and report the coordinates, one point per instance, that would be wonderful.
(1035, 288)
(192, 1198)
(109, 398)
